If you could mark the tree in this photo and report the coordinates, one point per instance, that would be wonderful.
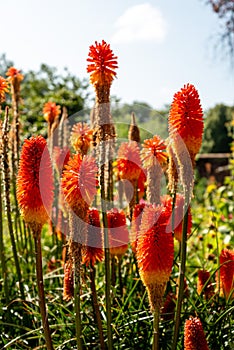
(225, 12)
(216, 136)
(48, 85)
(39, 87)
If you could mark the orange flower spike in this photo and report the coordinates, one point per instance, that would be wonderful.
(81, 137)
(141, 185)
(155, 249)
(178, 214)
(186, 119)
(155, 252)
(79, 182)
(93, 251)
(102, 64)
(153, 152)
(194, 337)
(135, 224)
(129, 162)
(4, 88)
(226, 259)
(35, 181)
(14, 75)
(61, 157)
(51, 112)
(154, 158)
(118, 232)
(168, 309)
(203, 277)
(178, 220)
(68, 284)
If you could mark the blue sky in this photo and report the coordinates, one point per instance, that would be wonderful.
(161, 45)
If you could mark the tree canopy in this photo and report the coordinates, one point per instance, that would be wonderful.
(216, 132)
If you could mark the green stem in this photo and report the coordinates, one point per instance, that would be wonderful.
(77, 286)
(120, 278)
(96, 307)
(181, 272)
(107, 256)
(6, 172)
(155, 345)
(40, 286)
(2, 250)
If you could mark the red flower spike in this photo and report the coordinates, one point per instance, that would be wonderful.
(178, 214)
(227, 272)
(35, 181)
(93, 251)
(118, 232)
(51, 112)
(4, 88)
(102, 63)
(81, 137)
(153, 152)
(68, 282)
(203, 277)
(155, 248)
(141, 185)
(186, 119)
(14, 75)
(79, 182)
(61, 157)
(128, 162)
(168, 309)
(135, 224)
(194, 337)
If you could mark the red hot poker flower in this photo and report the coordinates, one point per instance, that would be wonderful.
(135, 224)
(4, 88)
(51, 112)
(194, 337)
(155, 247)
(129, 162)
(203, 277)
(14, 75)
(153, 152)
(118, 232)
(155, 252)
(178, 214)
(81, 137)
(79, 182)
(226, 259)
(35, 181)
(186, 120)
(102, 64)
(68, 284)
(61, 157)
(93, 250)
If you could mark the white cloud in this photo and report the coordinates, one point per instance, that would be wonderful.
(142, 22)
